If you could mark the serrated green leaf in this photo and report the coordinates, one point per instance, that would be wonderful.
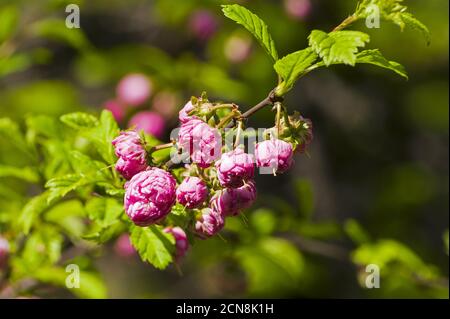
(79, 120)
(61, 186)
(27, 174)
(337, 46)
(393, 11)
(410, 21)
(253, 24)
(293, 65)
(44, 125)
(31, 211)
(376, 58)
(153, 245)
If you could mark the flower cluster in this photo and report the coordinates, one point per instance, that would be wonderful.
(219, 181)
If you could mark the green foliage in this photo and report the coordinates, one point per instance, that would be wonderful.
(293, 65)
(153, 245)
(79, 120)
(376, 58)
(254, 25)
(337, 46)
(394, 11)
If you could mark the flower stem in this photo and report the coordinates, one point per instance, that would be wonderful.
(161, 147)
(349, 20)
(238, 134)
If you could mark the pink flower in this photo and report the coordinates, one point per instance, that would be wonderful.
(149, 196)
(231, 201)
(298, 9)
(274, 154)
(203, 24)
(4, 252)
(134, 89)
(181, 241)
(201, 141)
(234, 168)
(131, 154)
(150, 122)
(183, 115)
(116, 109)
(123, 246)
(192, 192)
(209, 224)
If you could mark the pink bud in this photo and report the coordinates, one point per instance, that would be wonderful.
(150, 122)
(298, 9)
(183, 115)
(234, 168)
(237, 48)
(4, 252)
(209, 224)
(123, 246)
(149, 196)
(231, 201)
(116, 109)
(134, 89)
(131, 153)
(202, 141)
(181, 241)
(192, 192)
(274, 154)
(203, 24)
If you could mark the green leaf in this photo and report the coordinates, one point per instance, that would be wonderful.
(100, 234)
(11, 132)
(31, 211)
(153, 245)
(105, 211)
(376, 58)
(410, 21)
(253, 24)
(61, 186)
(394, 11)
(79, 120)
(9, 17)
(337, 46)
(103, 135)
(27, 174)
(291, 67)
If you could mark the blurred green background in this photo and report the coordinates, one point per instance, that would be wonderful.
(374, 188)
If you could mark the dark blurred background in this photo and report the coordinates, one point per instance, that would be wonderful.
(373, 189)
